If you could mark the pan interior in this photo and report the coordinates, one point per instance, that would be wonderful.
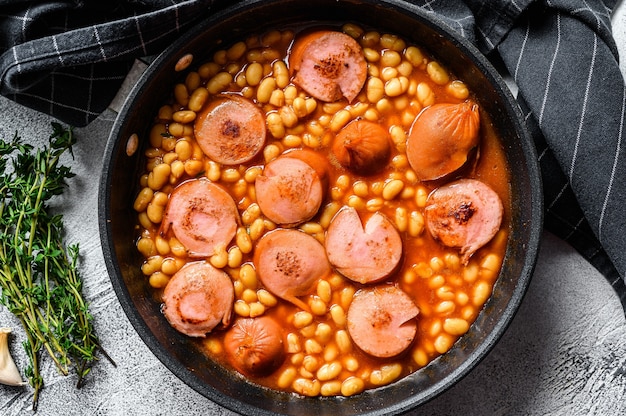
(118, 188)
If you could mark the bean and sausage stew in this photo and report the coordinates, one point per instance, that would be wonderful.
(324, 211)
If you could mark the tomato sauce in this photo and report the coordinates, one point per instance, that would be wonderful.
(320, 357)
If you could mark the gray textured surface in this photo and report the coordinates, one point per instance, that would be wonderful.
(564, 353)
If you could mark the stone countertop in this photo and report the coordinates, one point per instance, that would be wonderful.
(563, 354)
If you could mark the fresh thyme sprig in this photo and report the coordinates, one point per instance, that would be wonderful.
(39, 279)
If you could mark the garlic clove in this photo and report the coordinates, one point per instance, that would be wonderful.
(9, 374)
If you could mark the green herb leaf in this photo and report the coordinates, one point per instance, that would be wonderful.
(39, 279)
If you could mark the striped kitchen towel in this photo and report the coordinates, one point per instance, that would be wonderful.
(69, 58)
(563, 58)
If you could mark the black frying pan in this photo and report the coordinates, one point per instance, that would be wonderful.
(118, 189)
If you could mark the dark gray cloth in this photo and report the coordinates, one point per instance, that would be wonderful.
(564, 59)
(68, 59)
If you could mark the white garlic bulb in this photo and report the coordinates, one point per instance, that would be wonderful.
(9, 373)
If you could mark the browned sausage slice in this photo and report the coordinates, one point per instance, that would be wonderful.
(441, 139)
(365, 253)
(230, 129)
(289, 191)
(202, 215)
(315, 160)
(328, 65)
(254, 346)
(289, 263)
(363, 147)
(465, 214)
(198, 298)
(381, 320)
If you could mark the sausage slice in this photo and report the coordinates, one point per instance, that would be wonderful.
(381, 320)
(202, 215)
(230, 129)
(441, 139)
(254, 346)
(328, 65)
(314, 159)
(365, 253)
(198, 298)
(465, 214)
(289, 191)
(289, 263)
(363, 147)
